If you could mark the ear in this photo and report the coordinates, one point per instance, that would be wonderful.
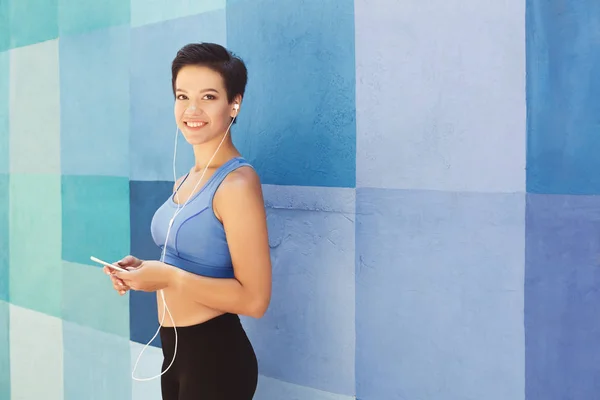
(236, 106)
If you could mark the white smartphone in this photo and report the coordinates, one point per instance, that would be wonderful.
(107, 264)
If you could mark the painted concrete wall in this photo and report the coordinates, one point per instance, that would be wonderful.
(429, 168)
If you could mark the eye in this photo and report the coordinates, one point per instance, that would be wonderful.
(181, 97)
(209, 97)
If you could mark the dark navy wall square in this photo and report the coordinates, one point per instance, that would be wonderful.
(145, 198)
(563, 97)
(562, 277)
(297, 124)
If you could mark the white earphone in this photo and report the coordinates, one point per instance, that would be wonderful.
(236, 107)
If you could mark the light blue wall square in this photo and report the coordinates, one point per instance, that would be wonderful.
(440, 95)
(563, 93)
(77, 16)
(439, 295)
(145, 12)
(32, 21)
(94, 102)
(297, 123)
(96, 364)
(307, 335)
(153, 127)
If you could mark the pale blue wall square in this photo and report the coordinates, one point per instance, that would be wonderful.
(153, 127)
(145, 12)
(4, 350)
(439, 295)
(4, 237)
(77, 16)
(35, 109)
(96, 364)
(441, 95)
(94, 102)
(297, 122)
(36, 351)
(307, 335)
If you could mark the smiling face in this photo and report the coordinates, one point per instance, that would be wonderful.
(202, 110)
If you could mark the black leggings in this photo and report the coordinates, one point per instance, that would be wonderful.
(214, 361)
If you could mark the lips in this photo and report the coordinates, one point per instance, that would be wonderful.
(195, 124)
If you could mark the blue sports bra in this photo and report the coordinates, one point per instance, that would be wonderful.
(197, 241)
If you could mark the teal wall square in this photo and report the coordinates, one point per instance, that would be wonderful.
(78, 16)
(4, 238)
(95, 218)
(4, 25)
(35, 276)
(4, 350)
(96, 364)
(32, 21)
(145, 12)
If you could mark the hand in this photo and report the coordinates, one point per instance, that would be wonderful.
(129, 262)
(149, 276)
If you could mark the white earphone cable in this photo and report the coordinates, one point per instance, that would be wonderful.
(179, 209)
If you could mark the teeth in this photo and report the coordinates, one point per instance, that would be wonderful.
(195, 124)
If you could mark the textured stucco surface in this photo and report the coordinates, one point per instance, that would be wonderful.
(429, 172)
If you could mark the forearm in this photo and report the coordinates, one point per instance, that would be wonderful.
(227, 295)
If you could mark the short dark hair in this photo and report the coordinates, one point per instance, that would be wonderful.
(216, 57)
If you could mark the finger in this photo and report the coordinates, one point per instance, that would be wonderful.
(127, 260)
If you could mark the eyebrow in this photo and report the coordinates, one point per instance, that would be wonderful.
(202, 91)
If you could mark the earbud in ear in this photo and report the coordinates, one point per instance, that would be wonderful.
(236, 106)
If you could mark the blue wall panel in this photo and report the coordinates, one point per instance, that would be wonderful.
(95, 111)
(439, 295)
(562, 297)
(563, 92)
(298, 121)
(440, 95)
(96, 364)
(153, 127)
(307, 335)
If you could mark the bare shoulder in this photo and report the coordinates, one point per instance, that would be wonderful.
(242, 181)
(241, 187)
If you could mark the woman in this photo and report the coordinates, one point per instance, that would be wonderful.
(215, 261)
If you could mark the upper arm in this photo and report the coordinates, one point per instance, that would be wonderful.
(240, 205)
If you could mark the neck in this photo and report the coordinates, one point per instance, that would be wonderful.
(204, 152)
